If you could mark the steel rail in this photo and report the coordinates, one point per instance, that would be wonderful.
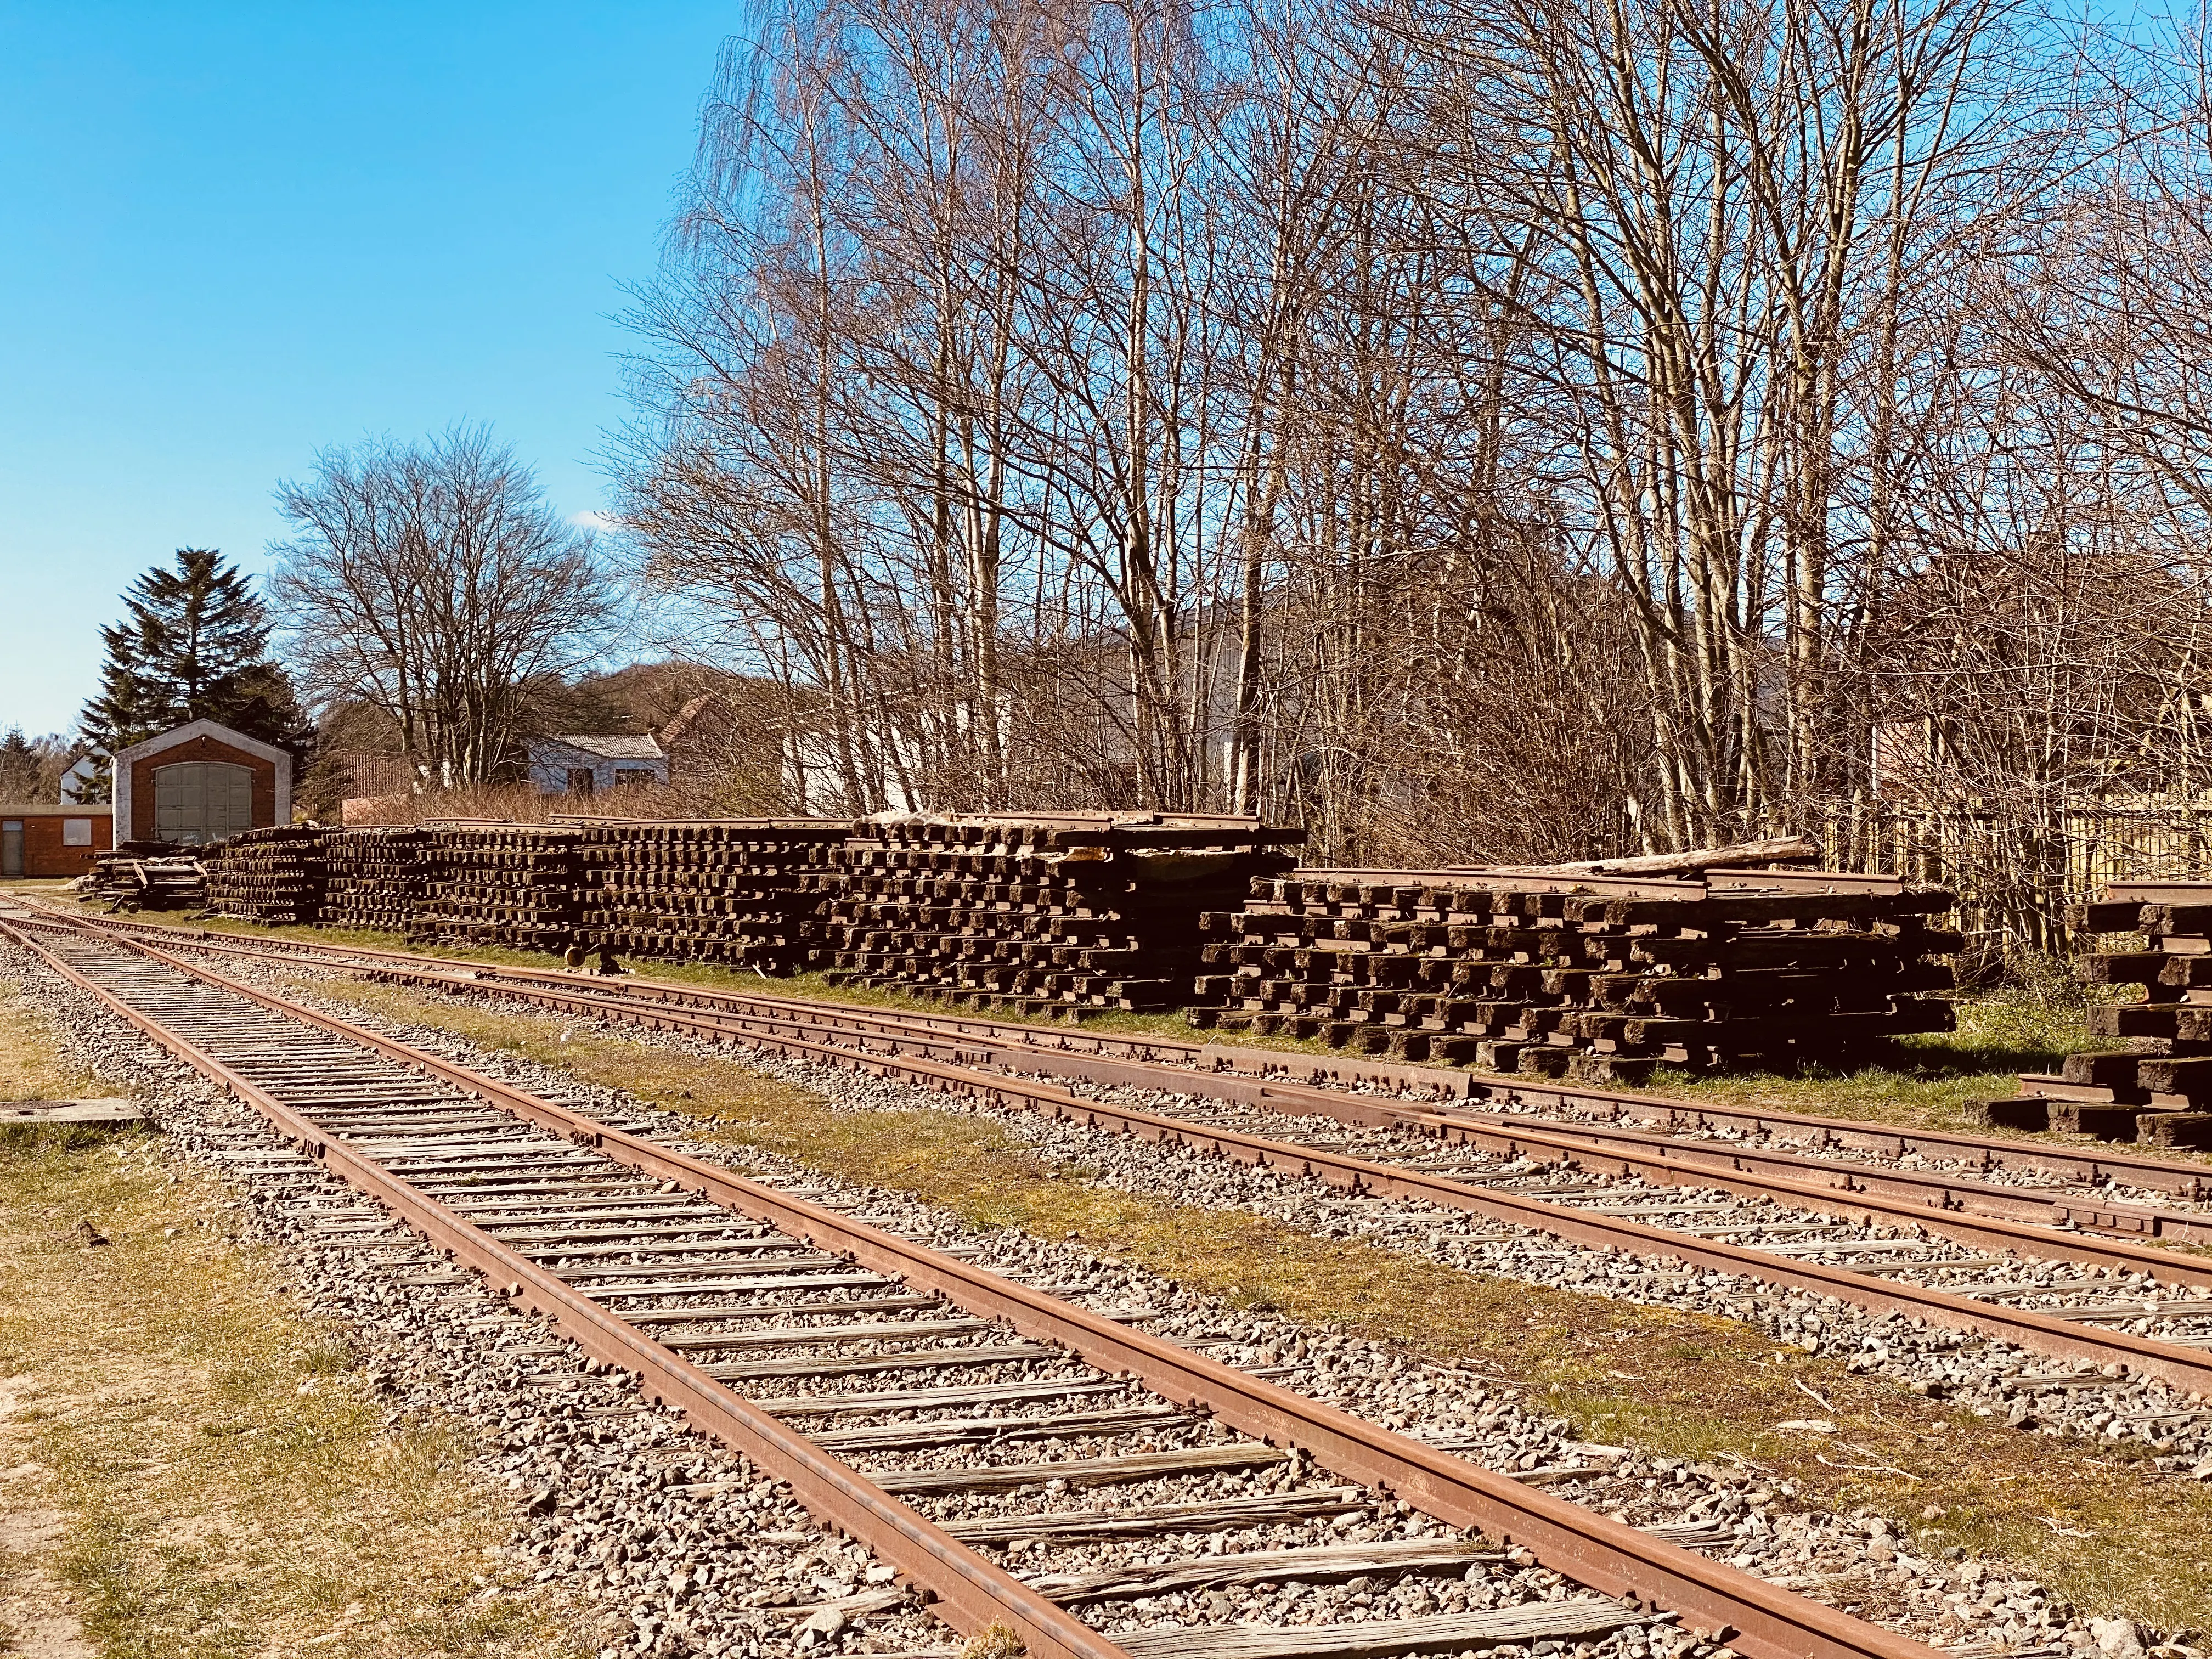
(1721, 1602)
(971, 1592)
(1911, 1197)
(1348, 1071)
(1276, 1068)
(1968, 1212)
(2183, 1367)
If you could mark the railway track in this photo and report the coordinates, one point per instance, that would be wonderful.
(890, 1384)
(1946, 1164)
(1948, 1254)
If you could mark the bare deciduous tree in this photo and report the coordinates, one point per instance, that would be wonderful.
(433, 582)
(1477, 433)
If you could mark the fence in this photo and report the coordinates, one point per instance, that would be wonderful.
(2015, 873)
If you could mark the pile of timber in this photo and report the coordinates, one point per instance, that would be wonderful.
(273, 875)
(145, 876)
(1599, 978)
(743, 893)
(373, 877)
(1039, 913)
(507, 884)
(2156, 1089)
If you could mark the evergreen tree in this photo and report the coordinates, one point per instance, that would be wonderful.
(19, 769)
(193, 644)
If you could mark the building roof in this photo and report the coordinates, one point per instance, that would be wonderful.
(612, 748)
(713, 707)
(190, 729)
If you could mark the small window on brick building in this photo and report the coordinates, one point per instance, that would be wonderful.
(580, 780)
(76, 832)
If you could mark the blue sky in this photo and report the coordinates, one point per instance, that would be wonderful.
(232, 234)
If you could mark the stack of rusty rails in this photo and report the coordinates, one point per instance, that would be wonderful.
(1045, 913)
(273, 877)
(1602, 980)
(373, 875)
(743, 891)
(2155, 1087)
(505, 884)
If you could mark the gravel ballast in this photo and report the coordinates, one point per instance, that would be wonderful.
(689, 1549)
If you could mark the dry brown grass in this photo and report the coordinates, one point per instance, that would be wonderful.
(523, 803)
(2092, 1524)
(223, 1483)
(995, 1642)
(32, 1064)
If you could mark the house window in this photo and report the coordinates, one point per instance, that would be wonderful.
(580, 782)
(76, 832)
(634, 775)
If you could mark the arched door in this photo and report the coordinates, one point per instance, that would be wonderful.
(202, 800)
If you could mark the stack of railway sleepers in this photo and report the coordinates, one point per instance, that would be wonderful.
(2156, 1086)
(1600, 979)
(743, 893)
(1039, 913)
(372, 877)
(145, 875)
(273, 875)
(511, 884)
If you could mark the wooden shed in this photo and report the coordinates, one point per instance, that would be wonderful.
(200, 783)
(46, 840)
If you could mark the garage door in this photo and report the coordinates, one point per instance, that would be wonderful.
(202, 800)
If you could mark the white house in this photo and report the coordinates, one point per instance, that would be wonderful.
(582, 766)
(82, 783)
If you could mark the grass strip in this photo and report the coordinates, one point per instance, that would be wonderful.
(32, 1066)
(2093, 1522)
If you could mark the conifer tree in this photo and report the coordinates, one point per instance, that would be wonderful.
(19, 769)
(193, 644)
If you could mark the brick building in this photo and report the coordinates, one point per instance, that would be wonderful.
(46, 839)
(200, 783)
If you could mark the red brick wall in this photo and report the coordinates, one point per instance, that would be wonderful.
(143, 804)
(43, 852)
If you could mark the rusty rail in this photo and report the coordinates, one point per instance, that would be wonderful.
(1276, 1068)
(1722, 1601)
(2183, 1367)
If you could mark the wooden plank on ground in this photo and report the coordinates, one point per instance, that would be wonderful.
(117, 1112)
(1585, 1616)
(1082, 1471)
(1223, 1515)
(1326, 1562)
